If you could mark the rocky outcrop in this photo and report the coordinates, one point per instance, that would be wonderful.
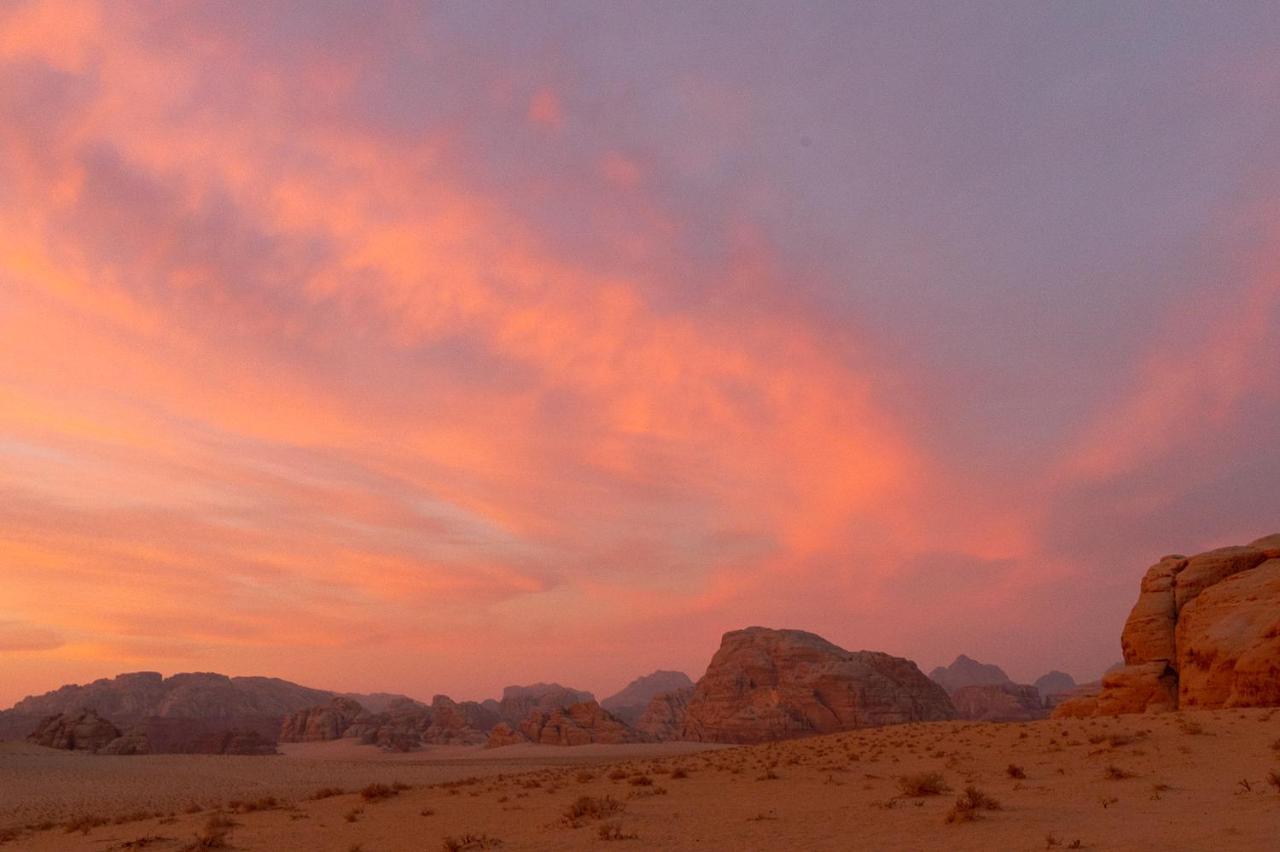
(133, 741)
(458, 723)
(520, 701)
(81, 731)
(504, 735)
(583, 723)
(325, 722)
(999, 702)
(1054, 684)
(663, 719)
(632, 702)
(965, 671)
(766, 684)
(1204, 632)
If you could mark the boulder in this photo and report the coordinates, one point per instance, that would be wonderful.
(663, 719)
(765, 684)
(82, 731)
(999, 702)
(965, 671)
(632, 702)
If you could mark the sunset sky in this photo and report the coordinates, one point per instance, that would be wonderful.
(386, 346)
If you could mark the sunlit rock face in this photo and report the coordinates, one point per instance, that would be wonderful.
(1204, 632)
(765, 684)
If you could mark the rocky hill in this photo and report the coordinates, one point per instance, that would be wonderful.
(765, 684)
(965, 671)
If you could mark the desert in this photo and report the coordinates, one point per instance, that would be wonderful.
(727, 425)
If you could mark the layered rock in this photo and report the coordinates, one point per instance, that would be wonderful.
(999, 702)
(766, 684)
(965, 671)
(663, 719)
(582, 723)
(132, 741)
(81, 731)
(404, 724)
(632, 701)
(1204, 632)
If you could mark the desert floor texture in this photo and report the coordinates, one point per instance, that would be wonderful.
(1190, 780)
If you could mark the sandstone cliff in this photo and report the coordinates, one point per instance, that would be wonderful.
(1204, 632)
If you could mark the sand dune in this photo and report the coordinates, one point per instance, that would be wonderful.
(1193, 780)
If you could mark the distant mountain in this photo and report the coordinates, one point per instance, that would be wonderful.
(630, 703)
(965, 671)
(1055, 683)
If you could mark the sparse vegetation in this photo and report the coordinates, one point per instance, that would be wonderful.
(327, 793)
(467, 842)
(613, 831)
(589, 808)
(969, 806)
(377, 792)
(922, 784)
(1115, 773)
(1013, 770)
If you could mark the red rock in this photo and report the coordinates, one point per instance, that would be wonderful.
(767, 684)
(1206, 569)
(663, 719)
(82, 731)
(504, 735)
(1148, 632)
(326, 722)
(998, 702)
(965, 671)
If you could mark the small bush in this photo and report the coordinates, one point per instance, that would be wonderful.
(327, 793)
(467, 842)
(618, 774)
(587, 808)
(1115, 773)
(922, 784)
(1013, 770)
(679, 772)
(613, 831)
(641, 781)
(377, 792)
(969, 806)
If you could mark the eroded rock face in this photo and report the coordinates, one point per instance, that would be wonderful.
(326, 722)
(965, 671)
(1229, 642)
(999, 702)
(582, 723)
(663, 719)
(1205, 632)
(82, 731)
(504, 735)
(632, 702)
(766, 684)
(133, 741)
(519, 701)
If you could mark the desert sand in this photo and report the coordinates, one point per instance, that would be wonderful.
(1186, 780)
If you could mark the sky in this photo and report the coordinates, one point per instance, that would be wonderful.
(433, 348)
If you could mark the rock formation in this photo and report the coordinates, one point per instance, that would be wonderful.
(1204, 632)
(632, 702)
(965, 671)
(582, 723)
(520, 701)
(81, 731)
(1054, 684)
(324, 722)
(765, 684)
(663, 719)
(999, 702)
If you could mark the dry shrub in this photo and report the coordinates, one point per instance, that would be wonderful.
(922, 784)
(1013, 770)
(587, 808)
(467, 842)
(969, 806)
(679, 772)
(613, 831)
(85, 824)
(377, 792)
(641, 781)
(1115, 773)
(327, 793)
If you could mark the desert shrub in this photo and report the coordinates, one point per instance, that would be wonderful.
(85, 824)
(587, 808)
(1273, 778)
(969, 806)
(679, 772)
(618, 774)
(377, 792)
(467, 842)
(327, 793)
(641, 781)
(1115, 773)
(1013, 770)
(613, 831)
(922, 784)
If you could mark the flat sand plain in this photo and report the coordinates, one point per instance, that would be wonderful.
(1190, 780)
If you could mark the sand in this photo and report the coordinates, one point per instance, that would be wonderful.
(1190, 780)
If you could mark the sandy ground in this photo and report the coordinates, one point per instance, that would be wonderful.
(1195, 780)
